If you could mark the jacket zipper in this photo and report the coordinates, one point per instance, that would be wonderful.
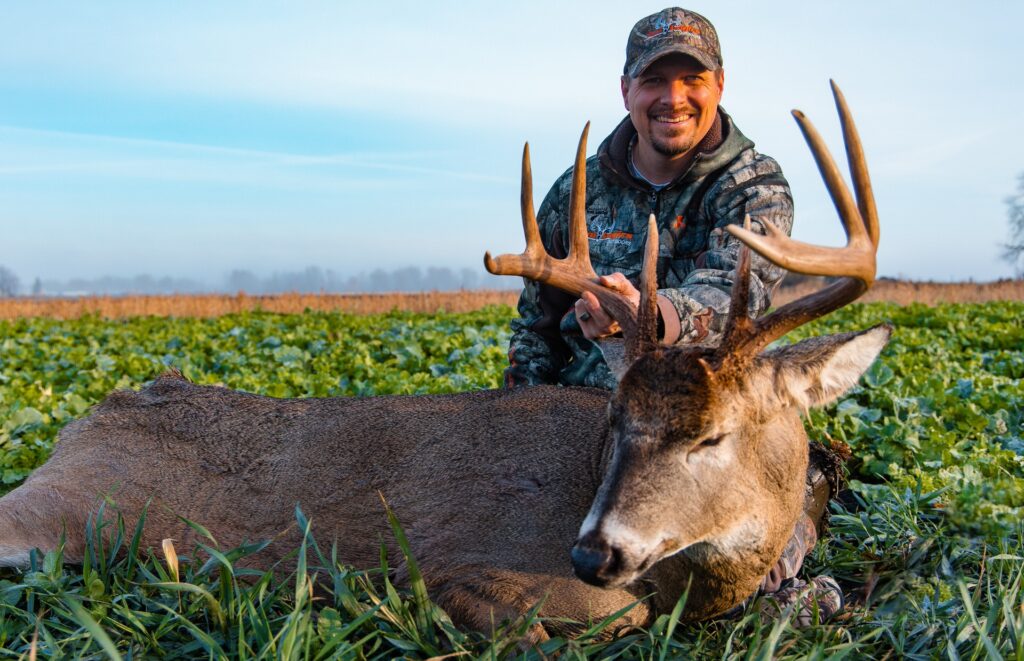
(653, 198)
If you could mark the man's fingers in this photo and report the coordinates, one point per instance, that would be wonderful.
(592, 307)
(585, 309)
(601, 320)
(616, 281)
(582, 312)
(621, 284)
(594, 321)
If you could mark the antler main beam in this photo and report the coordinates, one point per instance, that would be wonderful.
(855, 262)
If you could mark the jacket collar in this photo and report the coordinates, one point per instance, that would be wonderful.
(723, 143)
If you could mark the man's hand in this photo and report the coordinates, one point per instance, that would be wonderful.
(595, 322)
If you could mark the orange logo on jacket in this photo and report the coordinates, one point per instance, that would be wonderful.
(610, 235)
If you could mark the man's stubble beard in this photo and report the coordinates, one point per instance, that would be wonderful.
(670, 150)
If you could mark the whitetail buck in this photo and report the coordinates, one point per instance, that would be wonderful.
(692, 470)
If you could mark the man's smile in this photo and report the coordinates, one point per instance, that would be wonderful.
(673, 119)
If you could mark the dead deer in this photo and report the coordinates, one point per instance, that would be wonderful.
(690, 473)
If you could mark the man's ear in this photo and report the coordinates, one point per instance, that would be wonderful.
(816, 371)
(624, 86)
(720, 77)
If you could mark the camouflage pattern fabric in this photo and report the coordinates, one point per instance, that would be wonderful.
(782, 593)
(807, 602)
(800, 544)
(672, 30)
(696, 256)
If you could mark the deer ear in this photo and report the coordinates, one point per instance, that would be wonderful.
(614, 351)
(818, 370)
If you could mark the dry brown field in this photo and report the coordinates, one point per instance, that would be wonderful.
(905, 292)
(211, 305)
(214, 305)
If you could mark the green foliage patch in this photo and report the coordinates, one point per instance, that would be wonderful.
(943, 410)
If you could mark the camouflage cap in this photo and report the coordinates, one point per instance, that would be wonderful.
(672, 30)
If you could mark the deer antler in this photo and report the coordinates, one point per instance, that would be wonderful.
(574, 273)
(855, 262)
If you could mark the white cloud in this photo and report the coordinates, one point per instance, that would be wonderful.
(35, 152)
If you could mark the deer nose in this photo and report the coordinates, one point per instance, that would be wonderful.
(595, 561)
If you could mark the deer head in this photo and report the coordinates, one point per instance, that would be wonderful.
(706, 454)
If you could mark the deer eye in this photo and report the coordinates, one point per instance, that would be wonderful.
(710, 442)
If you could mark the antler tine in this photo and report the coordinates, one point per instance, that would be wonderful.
(579, 245)
(531, 262)
(646, 336)
(530, 231)
(739, 326)
(574, 274)
(855, 262)
(858, 165)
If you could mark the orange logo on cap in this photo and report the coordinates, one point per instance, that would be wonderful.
(692, 29)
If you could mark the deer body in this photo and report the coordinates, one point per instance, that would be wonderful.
(691, 473)
(491, 494)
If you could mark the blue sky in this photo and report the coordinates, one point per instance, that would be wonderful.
(188, 139)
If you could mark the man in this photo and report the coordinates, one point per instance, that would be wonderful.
(679, 156)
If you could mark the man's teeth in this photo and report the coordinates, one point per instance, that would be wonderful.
(679, 119)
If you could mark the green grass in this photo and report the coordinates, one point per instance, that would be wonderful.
(929, 545)
(932, 594)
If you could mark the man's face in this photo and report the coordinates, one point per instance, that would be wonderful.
(673, 103)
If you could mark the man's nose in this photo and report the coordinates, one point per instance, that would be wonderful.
(676, 93)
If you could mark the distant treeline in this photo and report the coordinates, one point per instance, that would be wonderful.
(312, 279)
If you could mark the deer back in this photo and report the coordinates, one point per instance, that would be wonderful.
(239, 463)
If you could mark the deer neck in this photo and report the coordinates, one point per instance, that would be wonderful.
(716, 577)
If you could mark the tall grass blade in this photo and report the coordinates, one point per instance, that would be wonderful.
(979, 629)
(199, 529)
(422, 606)
(202, 637)
(673, 620)
(136, 540)
(82, 616)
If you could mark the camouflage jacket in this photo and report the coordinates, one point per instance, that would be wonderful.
(696, 257)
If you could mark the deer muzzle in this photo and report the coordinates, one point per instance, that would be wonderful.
(601, 560)
(595, 561)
